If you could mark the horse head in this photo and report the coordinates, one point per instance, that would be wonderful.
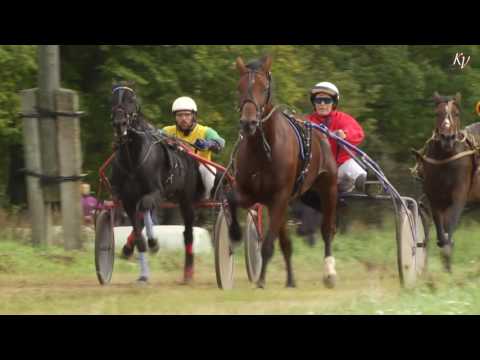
(125, 109)
(447, 128)
(254, 90)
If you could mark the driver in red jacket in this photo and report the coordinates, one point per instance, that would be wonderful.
(324, 97)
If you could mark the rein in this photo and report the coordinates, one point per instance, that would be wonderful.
(451, 158)
(145, 156)
(445, 161)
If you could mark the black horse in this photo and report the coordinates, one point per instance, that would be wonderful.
(148, 168)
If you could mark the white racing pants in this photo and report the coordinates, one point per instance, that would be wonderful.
(208, 178)
(348, 173)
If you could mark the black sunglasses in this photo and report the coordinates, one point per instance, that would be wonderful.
(323, 100)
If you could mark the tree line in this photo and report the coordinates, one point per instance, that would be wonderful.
(387, 88)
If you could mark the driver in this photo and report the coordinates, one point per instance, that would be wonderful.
(324, 97)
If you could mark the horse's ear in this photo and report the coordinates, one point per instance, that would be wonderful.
(458, 98)
(241, 66)
(436, 97)
(267, 63)
(131, 83)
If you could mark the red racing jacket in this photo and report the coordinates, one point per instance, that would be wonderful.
(338, 120)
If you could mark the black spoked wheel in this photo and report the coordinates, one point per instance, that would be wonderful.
(104, 247)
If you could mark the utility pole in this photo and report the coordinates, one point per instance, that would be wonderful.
(52, 151)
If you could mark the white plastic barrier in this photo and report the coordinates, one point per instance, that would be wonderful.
(169, 237)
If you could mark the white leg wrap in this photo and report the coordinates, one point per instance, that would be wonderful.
(148, 224)
(330, 266)
(142, 258)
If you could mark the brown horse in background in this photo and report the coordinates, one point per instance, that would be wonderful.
(451, 179)
(268, 164)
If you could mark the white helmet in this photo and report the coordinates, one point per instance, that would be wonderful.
(184, 103)
(325, 87)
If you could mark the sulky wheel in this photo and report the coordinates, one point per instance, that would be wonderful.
(422, 237)
(223, 254)
(253, 244)
(411, 255)
(104, 247)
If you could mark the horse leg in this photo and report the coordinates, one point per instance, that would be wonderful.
(454, 213)
(286, 246)
(425, 217)
(147, 204)
(277, 216)
(152, 240)
(188, 215)
(452, 217)
(129, 247)
(235, 200)
(442, 238)
(141, 246)
(329, 208)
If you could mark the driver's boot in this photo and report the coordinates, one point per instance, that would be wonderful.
(360, 183)
(369, 187)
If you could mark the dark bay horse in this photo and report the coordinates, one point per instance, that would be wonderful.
(267, 167)
(147, 169)
(450, 163)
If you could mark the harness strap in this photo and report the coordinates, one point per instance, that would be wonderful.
(305, 153)
(445, 161)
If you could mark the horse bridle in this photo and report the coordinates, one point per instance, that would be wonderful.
(436, 134)
(250, 98)
(260, 110)
(130, 116)
(448, 121)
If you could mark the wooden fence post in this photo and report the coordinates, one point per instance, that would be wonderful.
(70, 161)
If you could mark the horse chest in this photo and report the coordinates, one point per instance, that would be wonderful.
(256, 182)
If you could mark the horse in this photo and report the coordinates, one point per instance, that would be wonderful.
(148, 168)
(450, 164)
(268, 167)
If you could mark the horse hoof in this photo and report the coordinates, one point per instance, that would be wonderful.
(330, 281)
(185, 281)
(446, 255)
(127, 252)
(235, 233)
(187, 276)
(153, 245)
(291, 284)
(234, 245)
(261, 284)
(142, 280)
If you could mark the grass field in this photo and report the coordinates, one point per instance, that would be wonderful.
(52, 281)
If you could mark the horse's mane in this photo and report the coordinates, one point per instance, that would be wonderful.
(143, 123)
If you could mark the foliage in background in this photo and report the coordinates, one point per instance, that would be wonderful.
(387, 88)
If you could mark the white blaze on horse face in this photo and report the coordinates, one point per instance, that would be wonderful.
(446, 123)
